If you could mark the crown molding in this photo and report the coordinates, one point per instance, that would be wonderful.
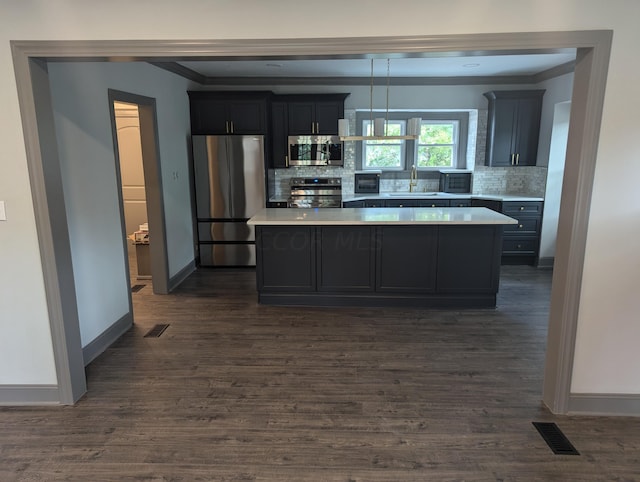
(192, 75)
(553, 72)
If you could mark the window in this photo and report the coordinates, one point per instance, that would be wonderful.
(441, 144)
(437, 144)
(384, 154)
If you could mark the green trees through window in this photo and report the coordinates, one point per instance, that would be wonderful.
(436, 144)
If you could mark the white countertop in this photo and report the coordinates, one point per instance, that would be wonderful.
(376, 216)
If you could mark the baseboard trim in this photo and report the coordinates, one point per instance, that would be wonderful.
(546, 263)
(107, 338)
(181, 275)
(608, 404)
(29, 395)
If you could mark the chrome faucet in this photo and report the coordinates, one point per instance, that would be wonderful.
(413, 178)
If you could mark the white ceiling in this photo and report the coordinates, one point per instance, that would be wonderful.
(451, 65)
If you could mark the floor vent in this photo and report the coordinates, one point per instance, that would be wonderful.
(556, 440)
(156, 331)
(136, 288)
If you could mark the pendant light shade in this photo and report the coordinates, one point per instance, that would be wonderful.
(379, 124)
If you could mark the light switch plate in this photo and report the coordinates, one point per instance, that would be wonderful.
(3, 213)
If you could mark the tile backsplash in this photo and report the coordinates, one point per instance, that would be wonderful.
(523, 180)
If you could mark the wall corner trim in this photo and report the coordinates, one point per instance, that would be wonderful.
(604, 404)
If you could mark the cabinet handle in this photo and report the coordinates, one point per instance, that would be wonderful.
(517, 159)
(512, 156)
(286, 161)
(232, 127)
(520, 226)
(521, 208)
(433, 205)
(313, 127)
(226, 126)
(317, 127)
(519, 246)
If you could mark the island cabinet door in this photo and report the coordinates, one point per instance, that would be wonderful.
(406, 259)
(345, 258)
(285, 259)
(469, 259)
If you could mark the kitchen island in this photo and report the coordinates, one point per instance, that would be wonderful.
(418, 257)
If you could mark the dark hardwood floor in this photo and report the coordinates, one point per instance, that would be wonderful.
(236, 391)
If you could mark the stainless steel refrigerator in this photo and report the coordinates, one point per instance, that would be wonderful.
(229, 180)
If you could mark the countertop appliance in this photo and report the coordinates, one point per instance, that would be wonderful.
(315, 192)
(229, 179)
(367, 182)
(455, 181)
(315, 151)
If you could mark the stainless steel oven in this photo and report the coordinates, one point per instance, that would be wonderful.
(315, 192)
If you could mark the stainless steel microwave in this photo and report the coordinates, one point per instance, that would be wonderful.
(315, 151)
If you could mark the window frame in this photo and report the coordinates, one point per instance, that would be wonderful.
(410, 146)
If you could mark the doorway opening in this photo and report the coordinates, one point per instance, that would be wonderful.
(586, 110)
(132, 190)
(134, 131)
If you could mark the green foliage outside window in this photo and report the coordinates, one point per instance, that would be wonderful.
(380, 154)
(434, 156)
(435, 145)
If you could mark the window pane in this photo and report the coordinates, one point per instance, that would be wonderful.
(435, 156)
(383, 154)
(380, 156)
(393, 128)
(436, 133)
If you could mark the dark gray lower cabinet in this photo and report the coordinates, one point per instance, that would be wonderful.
(406, 259)
(353, 204)
(461, 268)
(285, 259)
(345, 258)
(379, 265)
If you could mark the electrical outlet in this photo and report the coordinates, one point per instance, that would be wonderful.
(3, 212)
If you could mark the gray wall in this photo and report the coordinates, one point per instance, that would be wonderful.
(83, 129)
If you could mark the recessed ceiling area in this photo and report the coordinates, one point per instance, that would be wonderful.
(450, 65)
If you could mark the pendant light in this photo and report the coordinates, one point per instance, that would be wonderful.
(379, 126)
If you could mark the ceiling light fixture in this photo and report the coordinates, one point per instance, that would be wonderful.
(379, 126)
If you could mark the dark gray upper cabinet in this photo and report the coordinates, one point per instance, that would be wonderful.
(279, 122)
(513, 127)
(315, 114)
(229, 112)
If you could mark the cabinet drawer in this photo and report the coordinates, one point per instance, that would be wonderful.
(515, 209)
(433, 203)
(401, 203)
(527, 226)
(528, 245)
